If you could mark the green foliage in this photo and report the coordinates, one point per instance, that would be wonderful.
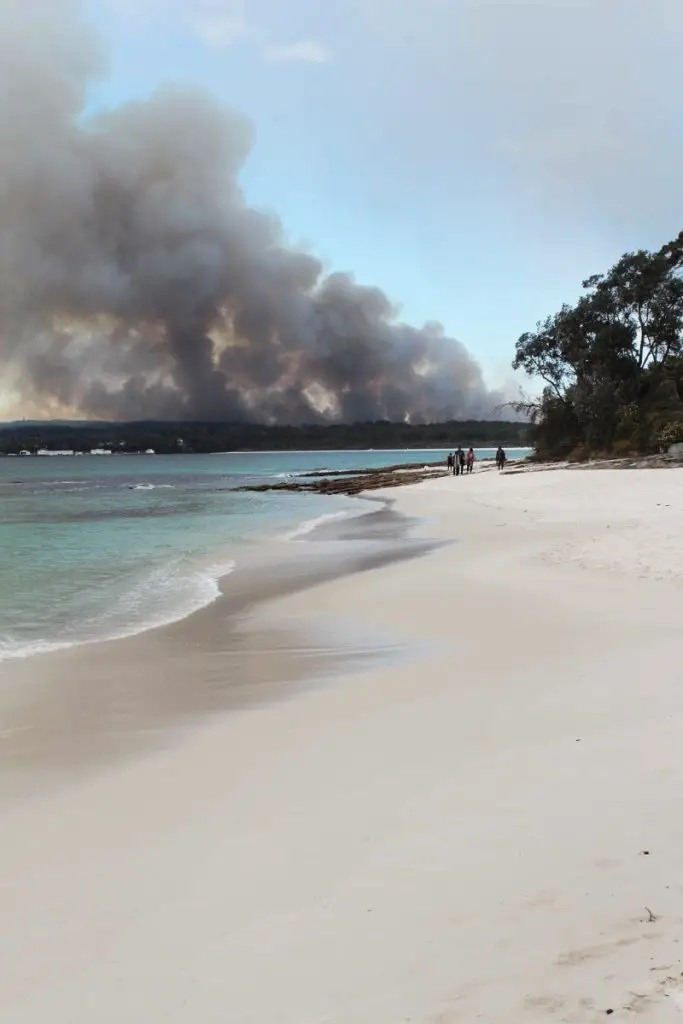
(612, 364)
(627, 421)
(671, 433)
(174, 438)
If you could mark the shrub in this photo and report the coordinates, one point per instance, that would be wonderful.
(579, 454)
(670, 433)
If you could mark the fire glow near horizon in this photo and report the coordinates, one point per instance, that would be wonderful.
(135, 282)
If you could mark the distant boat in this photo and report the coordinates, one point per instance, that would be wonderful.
(150, 451)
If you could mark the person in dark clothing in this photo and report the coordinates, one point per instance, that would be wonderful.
(459, 461)
(501, 459)
(450, 463)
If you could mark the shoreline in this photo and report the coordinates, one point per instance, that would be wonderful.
(357, 482)
(45, 648)
(211, 578)
(370, 486)
(172, 590)
(201, 582)
(88, 705)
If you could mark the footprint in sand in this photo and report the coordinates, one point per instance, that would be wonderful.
(544, 898)
(573, 1012)
(549, 1003)
(580, 956)
(649, 995)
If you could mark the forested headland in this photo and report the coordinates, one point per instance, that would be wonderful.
(184, 437)
(612, 364)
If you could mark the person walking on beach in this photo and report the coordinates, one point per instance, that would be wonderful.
(470, 460)
(459, 461)
(450, 463)
(501, 459)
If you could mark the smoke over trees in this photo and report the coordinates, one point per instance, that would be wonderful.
(135, 281)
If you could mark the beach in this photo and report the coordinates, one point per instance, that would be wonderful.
(442, 785)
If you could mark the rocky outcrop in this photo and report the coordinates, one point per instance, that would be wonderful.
(353, 481)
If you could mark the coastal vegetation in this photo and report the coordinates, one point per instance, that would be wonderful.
(206, 437)
(611, 364)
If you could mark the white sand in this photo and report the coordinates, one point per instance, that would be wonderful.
(458, 837)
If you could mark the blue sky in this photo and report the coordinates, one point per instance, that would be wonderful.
(474, 159)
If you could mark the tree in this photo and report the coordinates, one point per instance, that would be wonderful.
(643, 294)
(618, 348)
(542, 353)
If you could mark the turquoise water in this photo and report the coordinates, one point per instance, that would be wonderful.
(96, 547)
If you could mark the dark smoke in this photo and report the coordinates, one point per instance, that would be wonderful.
(136, 283)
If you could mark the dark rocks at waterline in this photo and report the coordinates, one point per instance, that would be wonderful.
(365, 471)
(353, 481)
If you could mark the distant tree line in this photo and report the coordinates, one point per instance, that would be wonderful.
(174, 438)
(612, 364)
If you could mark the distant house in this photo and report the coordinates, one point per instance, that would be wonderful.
(100, 451)
(150, 451)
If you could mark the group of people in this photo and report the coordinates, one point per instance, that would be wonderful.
(460, 463)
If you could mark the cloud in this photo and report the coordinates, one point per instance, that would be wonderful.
(306, 51)
(219, 32)
(218, 24)
(222, 24)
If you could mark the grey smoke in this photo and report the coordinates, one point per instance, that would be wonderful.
(135, 281)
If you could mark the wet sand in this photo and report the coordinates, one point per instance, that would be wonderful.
(64, 713)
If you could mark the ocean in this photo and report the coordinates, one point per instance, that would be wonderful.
(97, 547)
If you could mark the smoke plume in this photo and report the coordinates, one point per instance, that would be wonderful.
(136, 283)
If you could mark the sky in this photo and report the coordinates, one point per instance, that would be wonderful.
(475, 159)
